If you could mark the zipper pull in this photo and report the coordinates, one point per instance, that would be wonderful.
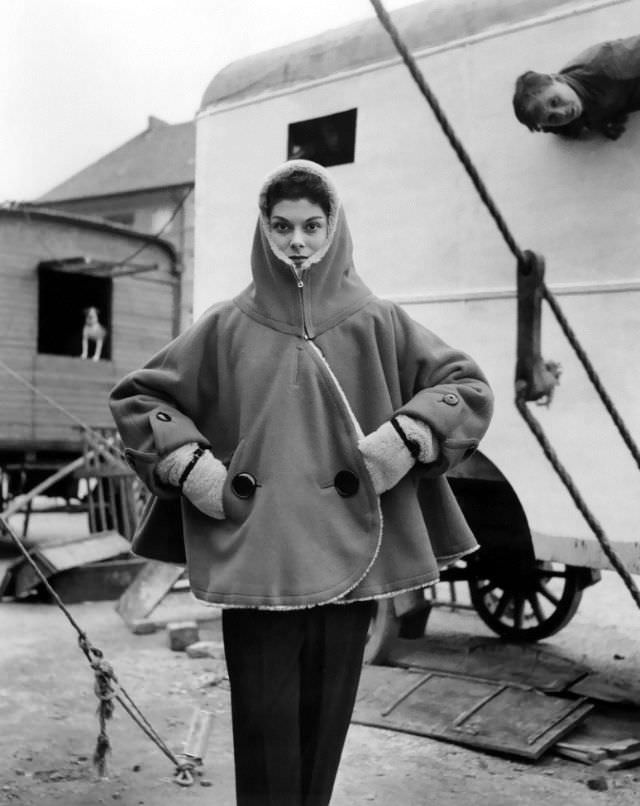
(300, 284)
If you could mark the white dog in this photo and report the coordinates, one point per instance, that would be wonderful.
(92, 331)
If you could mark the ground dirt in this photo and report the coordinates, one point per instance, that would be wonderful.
(49, 723)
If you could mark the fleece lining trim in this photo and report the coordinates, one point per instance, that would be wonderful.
(282, 172)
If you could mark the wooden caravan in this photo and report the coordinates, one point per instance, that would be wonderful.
(53, 266)
(424, 239)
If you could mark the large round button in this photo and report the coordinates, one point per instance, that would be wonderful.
(162, 415)
(450, 399)
(346, 483)
(244, 485)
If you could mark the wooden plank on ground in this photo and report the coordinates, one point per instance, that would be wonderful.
(607, 688)
(493, 716)
(151, 585)
(489, 658)
(75, 551)
(585, 754)
(623, 761)
(87, 549)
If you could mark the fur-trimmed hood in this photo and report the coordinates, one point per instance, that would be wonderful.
(332, 288)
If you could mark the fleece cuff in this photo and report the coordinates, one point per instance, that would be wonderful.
(205, 482)
(387, 456)
(419, 433)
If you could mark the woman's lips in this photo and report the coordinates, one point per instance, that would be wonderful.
(572, 113)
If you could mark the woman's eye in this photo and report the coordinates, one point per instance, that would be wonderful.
(280, 227)
(312, 227)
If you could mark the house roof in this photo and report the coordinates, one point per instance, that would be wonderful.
(422, 26)
(161, 156)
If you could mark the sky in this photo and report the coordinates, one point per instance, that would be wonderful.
(81, 77)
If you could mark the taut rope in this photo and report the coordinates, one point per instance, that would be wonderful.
(523, 262)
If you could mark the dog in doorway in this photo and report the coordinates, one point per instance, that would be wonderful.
(92, 331)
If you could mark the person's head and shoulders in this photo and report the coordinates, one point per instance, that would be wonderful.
(299, 213)
(546, 102)
(593, 92)
(302, 251)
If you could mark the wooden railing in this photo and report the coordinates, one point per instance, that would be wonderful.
(112, 493)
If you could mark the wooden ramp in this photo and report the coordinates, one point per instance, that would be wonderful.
(489, 658)
(57, 558)
(492, 716)
(160, 595)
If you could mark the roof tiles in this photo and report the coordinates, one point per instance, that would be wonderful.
(161, 156)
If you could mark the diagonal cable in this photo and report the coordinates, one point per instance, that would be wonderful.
(447, 128)
(107, 685)
(411, 64)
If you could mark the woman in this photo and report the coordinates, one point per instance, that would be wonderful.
(291, 425)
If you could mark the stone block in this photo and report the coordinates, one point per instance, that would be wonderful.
(206, 649)
(182, 634)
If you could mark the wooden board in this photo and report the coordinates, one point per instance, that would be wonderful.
(490, 658)
(150, 586)
(586, 552)
(56, 557)
(96, 582)
(93, 547)
(493, 716)
(607, 688)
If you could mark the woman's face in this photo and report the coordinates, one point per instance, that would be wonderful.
(298, 228)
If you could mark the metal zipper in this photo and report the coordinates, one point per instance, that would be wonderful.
(300, 284)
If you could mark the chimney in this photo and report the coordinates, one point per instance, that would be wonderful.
(155, 123)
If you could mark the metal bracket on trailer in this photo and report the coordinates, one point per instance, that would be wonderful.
(535, 378)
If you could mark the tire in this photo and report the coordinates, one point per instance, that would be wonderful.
(527, 607)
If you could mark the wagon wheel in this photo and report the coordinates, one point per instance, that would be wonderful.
(383, 630)
(527, 607)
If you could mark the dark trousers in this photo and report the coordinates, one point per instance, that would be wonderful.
(294, 676)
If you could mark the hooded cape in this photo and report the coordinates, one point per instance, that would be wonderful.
(281, 383)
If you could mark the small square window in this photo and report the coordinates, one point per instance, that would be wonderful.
(329, 140)
(63, 301)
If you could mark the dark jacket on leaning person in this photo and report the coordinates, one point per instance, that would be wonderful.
(607, 79)
(594, 92)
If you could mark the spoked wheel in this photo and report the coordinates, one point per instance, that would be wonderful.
(529, 606)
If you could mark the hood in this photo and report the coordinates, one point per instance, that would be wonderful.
(328, 288)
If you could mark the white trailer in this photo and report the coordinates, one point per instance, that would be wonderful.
(424, 239)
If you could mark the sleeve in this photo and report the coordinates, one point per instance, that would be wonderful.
(155, 408)
(446, 390)
(616, 59)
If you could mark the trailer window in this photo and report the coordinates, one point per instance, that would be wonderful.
(329, 140)
(63, 298)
